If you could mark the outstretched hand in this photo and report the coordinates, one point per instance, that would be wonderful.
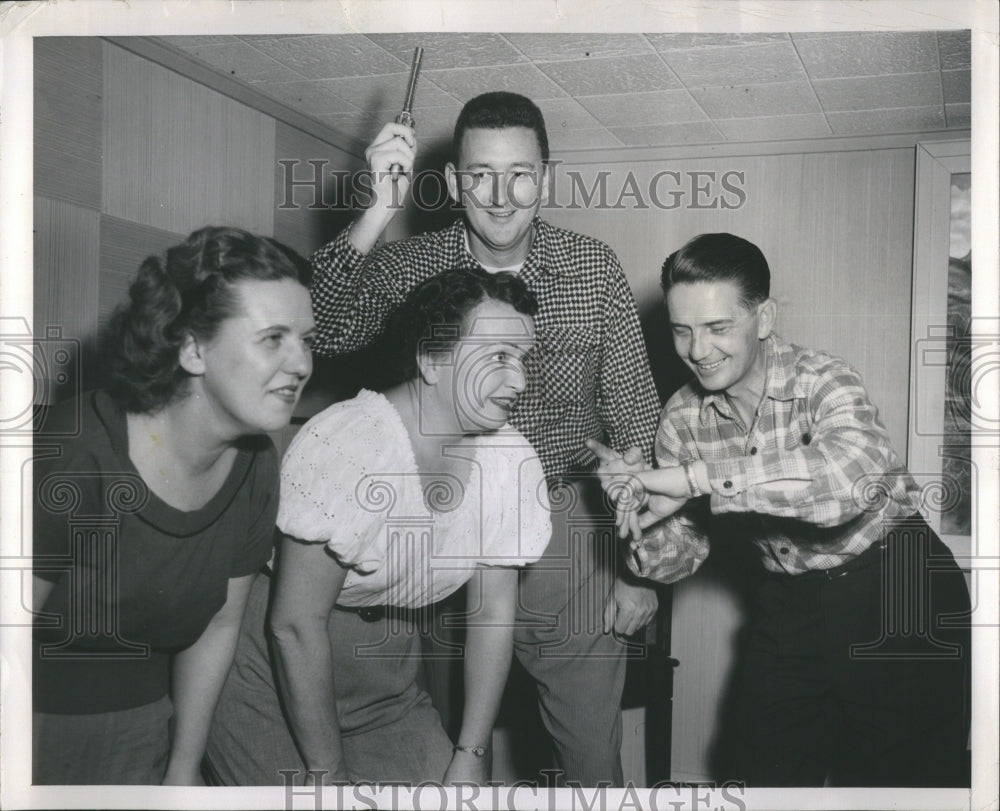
(650, 496)
(614, 469)
(617, 475)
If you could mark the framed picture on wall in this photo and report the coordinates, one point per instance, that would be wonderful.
(942, 384)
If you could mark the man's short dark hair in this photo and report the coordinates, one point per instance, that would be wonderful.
(499, 110)
(720, 258)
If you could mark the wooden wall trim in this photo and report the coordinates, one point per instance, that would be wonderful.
(854, 143)
(179, 62)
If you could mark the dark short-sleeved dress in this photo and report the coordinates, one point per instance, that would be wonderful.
(134, 581)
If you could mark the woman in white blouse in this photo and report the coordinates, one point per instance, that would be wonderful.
(390, 502)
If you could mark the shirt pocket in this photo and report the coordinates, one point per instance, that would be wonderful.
(567, 363)
(798, 429)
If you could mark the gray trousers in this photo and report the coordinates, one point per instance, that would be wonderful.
(578, 670)
(389, 730)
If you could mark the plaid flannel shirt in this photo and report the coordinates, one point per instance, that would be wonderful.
(813, 482)
(588, 375)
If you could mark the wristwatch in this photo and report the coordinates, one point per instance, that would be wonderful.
(478, 751)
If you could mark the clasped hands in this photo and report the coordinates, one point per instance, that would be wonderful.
(642, 495)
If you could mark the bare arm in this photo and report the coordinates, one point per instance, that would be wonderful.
(307, 584)
(199, 672)
(492, 594)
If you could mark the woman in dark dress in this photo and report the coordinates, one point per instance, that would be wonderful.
(152, 519)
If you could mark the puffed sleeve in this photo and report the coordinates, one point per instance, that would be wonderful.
(516, 515)
(323, 474)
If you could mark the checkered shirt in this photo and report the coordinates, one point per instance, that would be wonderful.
(816, 430)
(588, 375)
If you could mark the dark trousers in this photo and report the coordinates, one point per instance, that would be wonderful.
(860, 676)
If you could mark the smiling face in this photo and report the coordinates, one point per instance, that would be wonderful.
(251, 373)
(501, 181)
(485, 375)
(718, 336)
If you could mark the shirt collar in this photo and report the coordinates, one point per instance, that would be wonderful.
(780, 382)
(548, 253)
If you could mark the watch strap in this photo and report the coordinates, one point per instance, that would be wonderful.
(692, 480)
(478, 751)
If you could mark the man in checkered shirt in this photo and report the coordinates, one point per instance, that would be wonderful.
(848, 677)
(589, 377)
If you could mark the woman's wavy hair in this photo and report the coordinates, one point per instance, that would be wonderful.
(191, 291)
(436, 309)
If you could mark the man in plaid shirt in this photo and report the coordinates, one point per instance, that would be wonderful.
(589, 377)
(848, 676)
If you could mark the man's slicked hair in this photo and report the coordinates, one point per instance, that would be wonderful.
(720, 258)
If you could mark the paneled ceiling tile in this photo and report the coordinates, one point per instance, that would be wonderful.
(958, 115)
(331, 56)
(957, 86)
(757, 100)
(872, 92)
(673, 42)
(640, 109)
(774, 128)
(905, 119)
(198, 41)
(384, 95)
(308, 97)
(559, 47)
(616, 74)
(244, 62)
(360, 127)
(955, 49)
(799, 35)
(560, 140)
(868, 54)
(446, 51)
(696, 132)
(566, 114)
(756, 64)
(467, 83)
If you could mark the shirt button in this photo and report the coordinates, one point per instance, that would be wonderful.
(784, 550)
(727, 484)
(753, 451)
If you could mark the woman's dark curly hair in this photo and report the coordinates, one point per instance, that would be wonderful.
(437, 307)
(191, 292)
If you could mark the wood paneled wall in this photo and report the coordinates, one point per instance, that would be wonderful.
(307, 216)
(178, 155)
(130, 157)
(835, 227)
(68, 119)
